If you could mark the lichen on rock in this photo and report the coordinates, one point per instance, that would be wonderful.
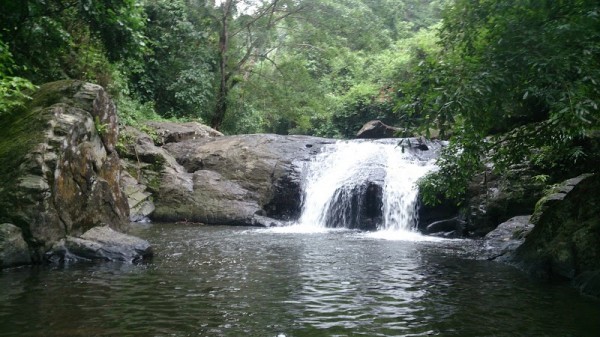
(60, 172)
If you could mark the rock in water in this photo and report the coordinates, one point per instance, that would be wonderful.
(501, 243)
(565, 242)
(13, 248)
(101, 243)
(60, 169)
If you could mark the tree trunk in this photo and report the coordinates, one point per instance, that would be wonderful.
(221, 104)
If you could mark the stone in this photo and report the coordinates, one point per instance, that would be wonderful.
(357, 207)
(170, 132)
(13, 248)
(101, 243)
(494, 198)
(138, 198)
(454, 225)
(565, 242)
(61, 170)
(376, 129)
(233, 179)
(501, 243)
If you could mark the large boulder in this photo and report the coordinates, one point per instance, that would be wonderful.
(13, 248)
(494, 198)
(147, 167)
(100, 244)
(357, 207)
(60, 169)
(565, 242)
(234, 179)
(376, 129)
(501, 243)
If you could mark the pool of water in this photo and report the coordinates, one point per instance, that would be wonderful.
(227, 281)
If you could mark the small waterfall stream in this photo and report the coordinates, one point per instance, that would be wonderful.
(365, 184)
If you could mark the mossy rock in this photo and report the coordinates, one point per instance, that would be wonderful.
(59, 172)
(565, 242)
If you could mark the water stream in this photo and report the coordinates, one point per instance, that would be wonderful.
(351, 183)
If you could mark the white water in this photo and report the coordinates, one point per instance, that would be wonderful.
(346, 168)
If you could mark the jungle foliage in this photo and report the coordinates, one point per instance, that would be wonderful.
(513, 81)
(284, 66)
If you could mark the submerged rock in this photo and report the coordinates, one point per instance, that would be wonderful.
(453, 227)
(100, 243)
(13, 248)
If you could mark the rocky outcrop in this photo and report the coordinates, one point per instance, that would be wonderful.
(100, 244)
(376, 129)
(147, 167)
(234, 180)
(139, 198)
(501, 243)
(170, 132)
(494, 198)
(13, 248)
(565, 242)
(60, 169)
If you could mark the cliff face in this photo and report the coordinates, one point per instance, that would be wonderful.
(60, 170)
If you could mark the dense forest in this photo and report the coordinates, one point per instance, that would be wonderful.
(517, 79)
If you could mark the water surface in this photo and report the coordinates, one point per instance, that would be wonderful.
(227, 281)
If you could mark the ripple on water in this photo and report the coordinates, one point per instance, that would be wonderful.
(223, 281)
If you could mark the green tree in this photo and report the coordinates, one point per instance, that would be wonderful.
(12, 88)
(53, 39)
(177, 74)
(517, 78)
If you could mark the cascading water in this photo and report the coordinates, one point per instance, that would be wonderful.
(365, 184)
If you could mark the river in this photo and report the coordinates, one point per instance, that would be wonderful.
(229, 281)
(318, 277)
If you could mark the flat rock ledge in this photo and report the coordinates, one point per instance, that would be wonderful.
(100, 244)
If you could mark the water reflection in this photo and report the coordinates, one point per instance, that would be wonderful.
(221, 281)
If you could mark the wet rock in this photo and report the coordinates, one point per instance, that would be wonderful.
(453, 227)
(501, 243)
(231, 179)
(357, 207)
(60, 167)
(13, 248)
(138, 198)
(101, 244)
(263, 221)
(565, 242)
(376, 129)
(494, 198)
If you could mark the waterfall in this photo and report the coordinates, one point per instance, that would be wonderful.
(365, 184)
